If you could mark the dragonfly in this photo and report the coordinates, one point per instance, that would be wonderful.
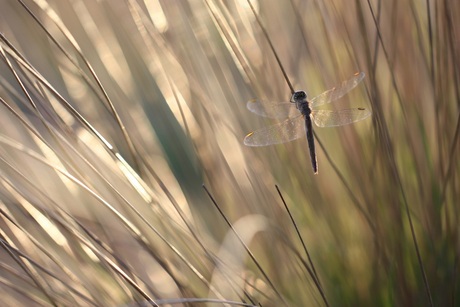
(300, 112)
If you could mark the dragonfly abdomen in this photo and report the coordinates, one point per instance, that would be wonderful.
(311, 141)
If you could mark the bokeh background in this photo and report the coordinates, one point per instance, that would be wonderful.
(114, 114)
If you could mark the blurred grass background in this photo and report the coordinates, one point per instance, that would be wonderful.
(114, 113)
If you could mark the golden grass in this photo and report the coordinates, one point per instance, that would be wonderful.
(115, 113)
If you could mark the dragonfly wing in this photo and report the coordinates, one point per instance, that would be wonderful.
(328, 118)
(285, 131)
(271, 109)
(337, 91)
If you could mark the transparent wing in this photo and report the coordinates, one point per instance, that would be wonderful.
(271, 109)
(327, 118)
(288, 130)
(337, 91)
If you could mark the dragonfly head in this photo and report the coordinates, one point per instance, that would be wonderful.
(299, 96)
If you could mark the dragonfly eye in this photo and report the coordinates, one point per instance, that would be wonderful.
(299, 96)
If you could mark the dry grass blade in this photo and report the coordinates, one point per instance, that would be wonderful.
(311, 269)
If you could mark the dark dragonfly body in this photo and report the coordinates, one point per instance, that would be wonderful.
(301, 103)
(297, 125)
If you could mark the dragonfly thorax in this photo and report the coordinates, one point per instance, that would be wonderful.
(301, 103)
